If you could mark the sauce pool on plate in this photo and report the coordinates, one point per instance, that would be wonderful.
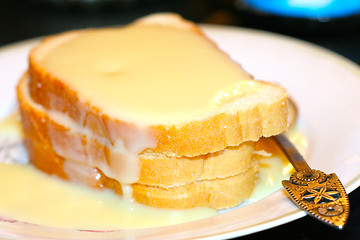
(31, 196)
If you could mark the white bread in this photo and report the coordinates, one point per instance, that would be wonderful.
(203, 159)
(156, 169)
(217, 193)
(257, 114)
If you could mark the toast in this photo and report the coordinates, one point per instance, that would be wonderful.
(154, 111)
(218, 193)
(260, 109)
(60, 134)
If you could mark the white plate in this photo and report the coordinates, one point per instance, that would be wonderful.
(324, 85)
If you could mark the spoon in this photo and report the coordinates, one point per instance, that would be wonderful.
(320, 195)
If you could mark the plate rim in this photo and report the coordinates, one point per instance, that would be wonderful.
(324, 52)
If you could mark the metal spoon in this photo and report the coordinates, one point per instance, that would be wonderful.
(320, 195)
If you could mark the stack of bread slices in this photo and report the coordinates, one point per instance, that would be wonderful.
(153, 111)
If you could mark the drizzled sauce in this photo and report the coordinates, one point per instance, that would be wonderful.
(31, 196)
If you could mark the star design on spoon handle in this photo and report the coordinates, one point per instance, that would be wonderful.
(320, 195)
(317, 195)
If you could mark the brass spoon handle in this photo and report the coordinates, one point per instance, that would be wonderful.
(291, 153)
(320, 195)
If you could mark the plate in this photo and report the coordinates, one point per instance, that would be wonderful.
(323, 84)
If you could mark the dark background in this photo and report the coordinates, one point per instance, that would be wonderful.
(23, 19)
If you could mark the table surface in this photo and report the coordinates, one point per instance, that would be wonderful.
(20, 20)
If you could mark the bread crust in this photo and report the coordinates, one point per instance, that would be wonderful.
(193, 138)
(54, 165)
(200, 162)
(217, 193)
(155, 169)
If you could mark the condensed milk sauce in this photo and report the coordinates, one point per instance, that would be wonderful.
(124, 64)
(31, 196)
(117, 79)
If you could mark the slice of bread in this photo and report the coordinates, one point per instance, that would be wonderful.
(153, 107)
(217, 193)
(60, 134)
(258, 110)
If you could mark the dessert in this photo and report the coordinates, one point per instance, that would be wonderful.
(153, 110)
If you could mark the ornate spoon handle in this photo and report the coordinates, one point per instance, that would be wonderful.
(320, 195)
